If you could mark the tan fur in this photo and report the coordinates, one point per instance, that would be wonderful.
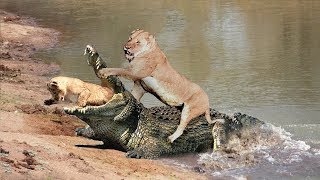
(151, 72)
(66, 88)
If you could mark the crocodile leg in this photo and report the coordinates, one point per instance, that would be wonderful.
(150, 148)
(86, 132)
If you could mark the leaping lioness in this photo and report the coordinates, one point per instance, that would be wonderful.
(151, 72)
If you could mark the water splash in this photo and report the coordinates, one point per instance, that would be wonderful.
(267, 151)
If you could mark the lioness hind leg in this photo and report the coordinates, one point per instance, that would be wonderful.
(83, 98)
(208, 118)
(185, 119)
(178, 132)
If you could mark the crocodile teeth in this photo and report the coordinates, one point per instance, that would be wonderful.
(83, 111)
(73, 109)
(69, 110)
(66, 109)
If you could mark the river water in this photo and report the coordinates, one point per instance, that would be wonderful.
(257, 57)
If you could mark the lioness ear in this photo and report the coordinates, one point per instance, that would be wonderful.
(151, 38)
(134, 31)
(52, 84)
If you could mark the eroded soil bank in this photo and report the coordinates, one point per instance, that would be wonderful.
(37, 141)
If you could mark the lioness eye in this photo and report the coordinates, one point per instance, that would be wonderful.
(138, 42)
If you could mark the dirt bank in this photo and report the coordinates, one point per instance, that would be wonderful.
(37, 141)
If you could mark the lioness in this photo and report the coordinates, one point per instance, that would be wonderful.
(70, 89)
(151, 72)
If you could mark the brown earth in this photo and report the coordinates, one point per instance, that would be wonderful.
(37, 141)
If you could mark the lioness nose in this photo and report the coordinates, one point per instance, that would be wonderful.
(126, 47)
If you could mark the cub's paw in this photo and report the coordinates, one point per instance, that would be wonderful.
(49, 102)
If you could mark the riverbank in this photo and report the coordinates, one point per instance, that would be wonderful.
(37, 141)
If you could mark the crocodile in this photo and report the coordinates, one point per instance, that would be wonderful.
(125, 124)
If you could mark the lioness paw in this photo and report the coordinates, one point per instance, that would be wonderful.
(103, 73)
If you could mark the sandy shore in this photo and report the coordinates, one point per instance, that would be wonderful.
(37, 141)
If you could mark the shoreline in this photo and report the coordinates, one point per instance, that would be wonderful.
(37, 141)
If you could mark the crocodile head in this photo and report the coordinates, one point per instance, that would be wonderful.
(113, 123)
(121, 107)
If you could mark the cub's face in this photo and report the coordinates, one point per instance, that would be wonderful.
(56, 92)
(138, 43)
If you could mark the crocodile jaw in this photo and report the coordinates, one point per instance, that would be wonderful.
(83, 110)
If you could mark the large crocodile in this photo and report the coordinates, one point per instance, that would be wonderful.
(125, 124)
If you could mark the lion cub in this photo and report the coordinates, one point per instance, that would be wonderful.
(66, 88)
(151, 72)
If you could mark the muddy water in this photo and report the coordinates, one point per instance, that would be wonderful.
(258, 57)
